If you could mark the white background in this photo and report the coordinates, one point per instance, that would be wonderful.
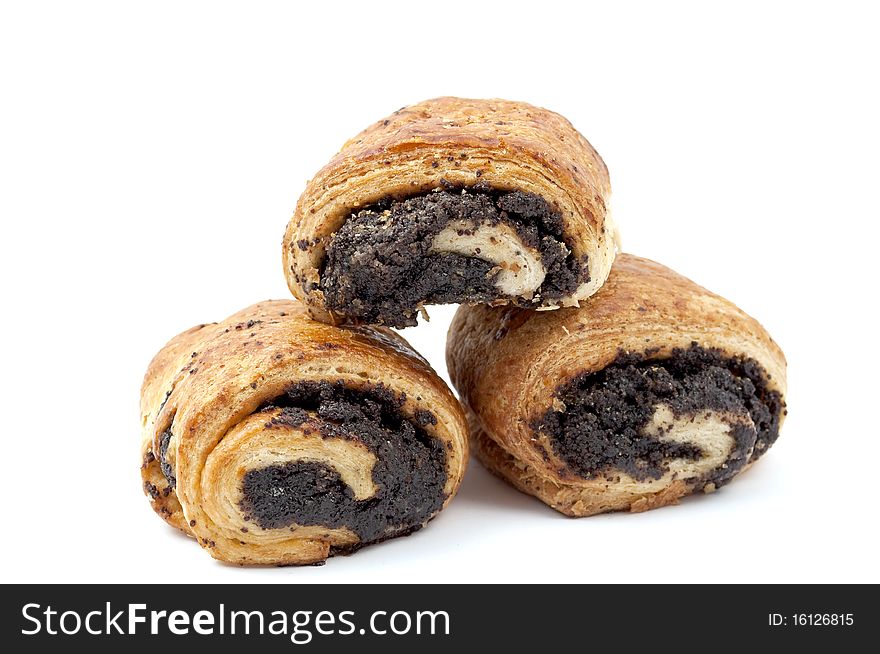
(151, 154)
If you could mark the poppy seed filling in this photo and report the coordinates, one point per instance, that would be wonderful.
(167, 468)
(409, 473)
(601, 429)
(448, 246)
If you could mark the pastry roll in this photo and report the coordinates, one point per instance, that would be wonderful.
(275, 439)
(653, 389)
(450, 201)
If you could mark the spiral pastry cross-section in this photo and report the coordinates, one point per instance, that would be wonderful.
(653, 389)
(275, 439)
(448, 201)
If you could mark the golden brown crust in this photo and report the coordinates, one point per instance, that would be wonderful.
(572, 500)
(216, 376)
(507, 145)
(507, 364)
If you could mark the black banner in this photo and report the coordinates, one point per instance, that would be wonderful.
(433, 618)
